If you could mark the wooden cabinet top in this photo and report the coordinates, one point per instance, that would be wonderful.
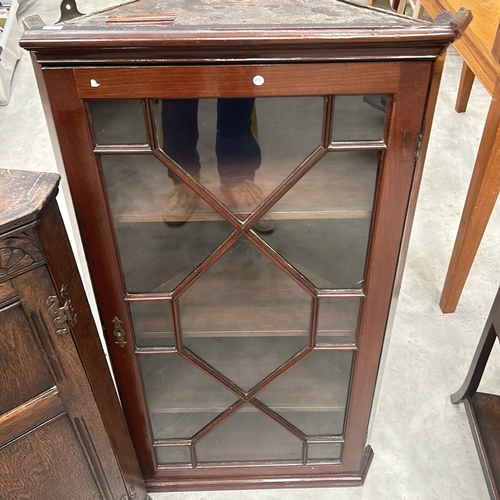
(23, 195)
(150, 31)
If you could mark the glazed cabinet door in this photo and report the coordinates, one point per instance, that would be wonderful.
(243, 226)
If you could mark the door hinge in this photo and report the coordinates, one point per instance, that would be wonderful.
(64, 316)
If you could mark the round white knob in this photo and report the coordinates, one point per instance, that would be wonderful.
(258, 80)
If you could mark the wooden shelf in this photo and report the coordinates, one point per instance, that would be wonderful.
(340, 186)
(319, 382)
(330, 253)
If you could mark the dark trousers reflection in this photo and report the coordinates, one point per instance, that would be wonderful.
(238, 153)
(237, 150)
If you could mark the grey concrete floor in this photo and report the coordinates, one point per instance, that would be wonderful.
(423, 445)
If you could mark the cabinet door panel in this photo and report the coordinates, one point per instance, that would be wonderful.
(48, 462)
(26, 374)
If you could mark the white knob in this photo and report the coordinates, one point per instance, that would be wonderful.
(258, 80)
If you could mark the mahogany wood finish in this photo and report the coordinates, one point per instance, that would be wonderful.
(483, 409)
(194, 82)
(61, 424)
(363, 52)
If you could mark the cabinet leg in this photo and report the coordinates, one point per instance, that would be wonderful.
(483, 351)
(464, 89)
(481, 197)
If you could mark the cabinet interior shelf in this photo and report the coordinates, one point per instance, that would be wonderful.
(139, 189)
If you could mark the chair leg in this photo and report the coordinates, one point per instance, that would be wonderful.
(464, 89)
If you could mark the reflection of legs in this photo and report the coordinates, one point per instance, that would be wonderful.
(238, 157)
(180, 134)
(238, 153)
(180, 137)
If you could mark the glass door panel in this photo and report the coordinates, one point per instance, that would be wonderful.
(249, 436)
(358, 118)
(339, 185)
(337, 321)
(118, 121)
(181, 398)
(246, 360)
(327, 240)
(239, 149)
(180, 186)
(316, 387)
(173, 455)
(139, 190)
(245, 294)
(321, 452)
(153, 324)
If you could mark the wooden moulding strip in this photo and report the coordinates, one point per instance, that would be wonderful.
(31, 414)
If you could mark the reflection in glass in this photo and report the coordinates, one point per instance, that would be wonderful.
(358, 118)
(138, 188)
(249, 436)
(181, 398)
(340, 185)
(153, 325)
(173, 455)
(327, 238)
(319, 452)
(157, 257)
(246, 360)
(313, 394)
(237, 148)
(118, 121)
(331, 253)
(337, 321)
(244, 294)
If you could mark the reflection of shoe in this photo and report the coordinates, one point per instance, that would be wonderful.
(180, 205)
(243, 198)
(264, 226)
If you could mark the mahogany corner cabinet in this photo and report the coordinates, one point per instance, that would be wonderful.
(244, 176)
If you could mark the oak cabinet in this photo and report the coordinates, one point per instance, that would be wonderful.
(59, 433)
(243, 176)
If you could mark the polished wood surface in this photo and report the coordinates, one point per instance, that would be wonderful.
(228, 81)
(477, 46)
(53, 437)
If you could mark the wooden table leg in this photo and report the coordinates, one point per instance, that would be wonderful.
(466, 80)
(481, 197)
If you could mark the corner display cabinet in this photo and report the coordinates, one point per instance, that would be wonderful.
(244, 176)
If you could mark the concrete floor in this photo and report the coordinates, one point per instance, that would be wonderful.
(423, 445)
